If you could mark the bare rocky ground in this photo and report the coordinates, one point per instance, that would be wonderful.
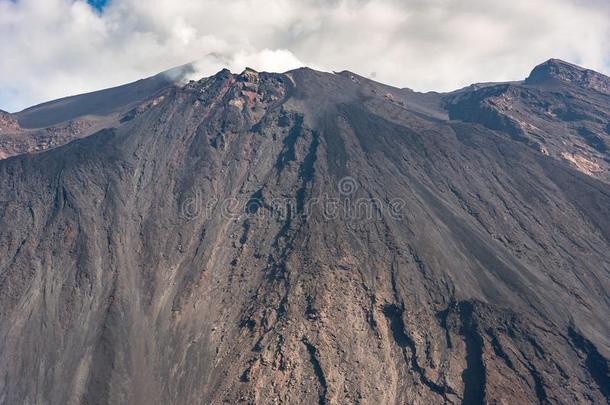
(186, 254)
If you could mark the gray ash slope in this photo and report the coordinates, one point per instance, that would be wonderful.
(123, 281)
(55, 123)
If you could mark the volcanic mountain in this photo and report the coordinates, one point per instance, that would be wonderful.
(310, 237)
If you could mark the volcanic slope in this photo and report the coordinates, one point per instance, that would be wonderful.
(307, 238)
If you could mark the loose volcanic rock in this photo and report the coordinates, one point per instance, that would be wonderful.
(304, 238)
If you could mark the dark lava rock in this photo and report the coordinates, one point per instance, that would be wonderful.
(312, 238)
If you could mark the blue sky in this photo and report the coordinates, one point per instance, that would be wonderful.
(55, 48)
(97, 4)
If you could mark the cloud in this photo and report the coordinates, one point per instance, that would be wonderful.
(53, 48)
(277, 60)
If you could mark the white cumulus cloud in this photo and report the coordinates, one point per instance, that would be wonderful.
(54, 48)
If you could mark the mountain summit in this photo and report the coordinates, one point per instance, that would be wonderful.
(556, 69)
(309, 237)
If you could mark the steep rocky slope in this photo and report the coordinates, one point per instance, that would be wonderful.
(55, 123)
(304, 238)
(561, 110)
(8, 123)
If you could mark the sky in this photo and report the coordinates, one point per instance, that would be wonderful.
(54, 48)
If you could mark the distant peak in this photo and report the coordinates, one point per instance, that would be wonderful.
(557, 69)
(560, 62)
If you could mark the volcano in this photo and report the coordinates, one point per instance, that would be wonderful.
(308, 237)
